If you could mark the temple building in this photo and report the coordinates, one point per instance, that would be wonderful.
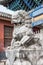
(37, 19)
(6, 27)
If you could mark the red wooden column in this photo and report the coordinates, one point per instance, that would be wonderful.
(1, 36)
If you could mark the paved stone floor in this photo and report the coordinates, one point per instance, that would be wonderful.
(1, 63)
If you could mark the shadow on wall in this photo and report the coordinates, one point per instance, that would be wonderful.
(2, 55)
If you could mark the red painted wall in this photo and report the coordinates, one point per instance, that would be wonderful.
(2, 24)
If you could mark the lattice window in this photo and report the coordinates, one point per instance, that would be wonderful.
(7, 35)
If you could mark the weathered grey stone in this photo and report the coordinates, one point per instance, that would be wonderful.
(26, 47)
